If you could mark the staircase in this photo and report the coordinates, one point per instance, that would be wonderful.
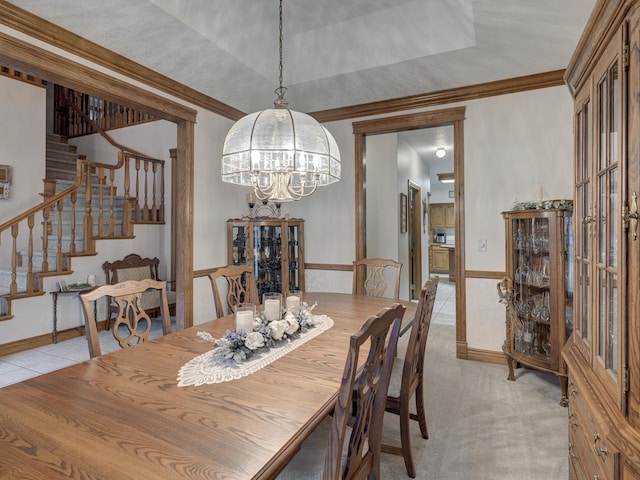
(80, 206)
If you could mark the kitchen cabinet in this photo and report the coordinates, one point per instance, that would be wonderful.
(275, 248)
(439, 259)
(442, 215)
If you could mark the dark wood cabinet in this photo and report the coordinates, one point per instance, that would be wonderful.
(275, 248)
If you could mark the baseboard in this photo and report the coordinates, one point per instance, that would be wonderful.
(486, 356)
(42, 340)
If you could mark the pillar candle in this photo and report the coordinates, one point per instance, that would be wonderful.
(244, 321)
(272, 310)
(293, 303)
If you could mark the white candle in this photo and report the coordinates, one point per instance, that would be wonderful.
(293, 303)
(244, 321)
(272, 310)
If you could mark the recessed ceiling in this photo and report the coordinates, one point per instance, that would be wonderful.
(336, 52)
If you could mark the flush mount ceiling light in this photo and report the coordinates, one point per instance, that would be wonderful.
(440, 152)
(446, 177)
(284, 155)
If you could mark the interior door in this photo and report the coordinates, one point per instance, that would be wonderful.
(414, 230)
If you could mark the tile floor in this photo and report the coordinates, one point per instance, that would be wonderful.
(20, 366)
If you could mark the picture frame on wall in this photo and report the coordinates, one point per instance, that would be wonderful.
(403, 213)
(5, 188)
(5, 173)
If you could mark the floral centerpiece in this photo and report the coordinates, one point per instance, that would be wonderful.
(239, 346)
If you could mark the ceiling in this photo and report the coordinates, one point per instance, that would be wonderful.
(337, 53)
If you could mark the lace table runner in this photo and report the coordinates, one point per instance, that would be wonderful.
(212, 367)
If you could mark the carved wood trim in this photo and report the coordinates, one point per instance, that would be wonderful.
(328, 266)
(418, 120)
(63, 71)
(486, 274)
(442, 97)
(603, 23)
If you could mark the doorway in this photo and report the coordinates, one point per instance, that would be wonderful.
(415, 231)
(399, 123)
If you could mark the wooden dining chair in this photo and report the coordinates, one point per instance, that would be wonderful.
(369, 277)
(132, 323)
(354, 442)
(407, 378)
(241, 288)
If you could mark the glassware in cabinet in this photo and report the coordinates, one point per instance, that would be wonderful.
(275, 249)
(537, 261)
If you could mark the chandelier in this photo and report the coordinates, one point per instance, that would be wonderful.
(282, 154)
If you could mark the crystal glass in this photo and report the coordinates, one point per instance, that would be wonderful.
(244, 317)
(271, 305)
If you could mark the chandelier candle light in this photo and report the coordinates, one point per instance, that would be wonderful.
(282, 154)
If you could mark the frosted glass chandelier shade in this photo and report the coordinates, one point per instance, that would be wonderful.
(282, 154)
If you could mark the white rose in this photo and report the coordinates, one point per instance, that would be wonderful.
(278, 328)
(254, 341)
(293, 325)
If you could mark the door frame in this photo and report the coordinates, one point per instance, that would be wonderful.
(415, 121)
(414, 237)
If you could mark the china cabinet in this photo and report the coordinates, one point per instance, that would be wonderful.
(539, 260)
(274, 246)
(603, 354)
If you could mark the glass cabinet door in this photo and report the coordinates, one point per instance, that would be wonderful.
(293, 257)
(275, 248)
(584, 222)
(532, 296)
(607, 226)
(239, 244)
(267, 258)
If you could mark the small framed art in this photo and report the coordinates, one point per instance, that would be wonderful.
(403, 213)
(5, 187)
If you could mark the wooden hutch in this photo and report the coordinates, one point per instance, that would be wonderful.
(603, 353)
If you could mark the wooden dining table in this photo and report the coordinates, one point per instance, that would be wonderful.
(123, 416)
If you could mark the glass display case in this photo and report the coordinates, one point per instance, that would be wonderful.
(275, 248)
(539, 270)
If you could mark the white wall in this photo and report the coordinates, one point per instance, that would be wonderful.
(513, 145)
(23, 107)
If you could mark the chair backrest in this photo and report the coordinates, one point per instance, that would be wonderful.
(369, 272)
(241, 288)
(132, 324)
(412, 369)
(131, 267)
(366, 392)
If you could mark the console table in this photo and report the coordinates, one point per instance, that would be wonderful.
(54, 297)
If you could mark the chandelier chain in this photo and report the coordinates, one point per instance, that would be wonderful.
(280, 102)
(280, 40)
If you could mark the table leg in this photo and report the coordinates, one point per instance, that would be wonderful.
(54, 295)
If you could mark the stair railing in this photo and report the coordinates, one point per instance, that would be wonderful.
(143, 203)
(107, 114)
